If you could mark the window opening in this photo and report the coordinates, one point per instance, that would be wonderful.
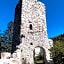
(31, 43)
(30, 26)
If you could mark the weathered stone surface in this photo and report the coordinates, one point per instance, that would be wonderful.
(5, 55)
(30, 31)
(9, 61)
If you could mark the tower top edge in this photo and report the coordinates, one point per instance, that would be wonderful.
(31, 1)
(28, 0)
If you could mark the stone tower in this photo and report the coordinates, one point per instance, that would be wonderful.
(30, 31)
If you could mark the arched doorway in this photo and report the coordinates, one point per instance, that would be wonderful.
(39, 55)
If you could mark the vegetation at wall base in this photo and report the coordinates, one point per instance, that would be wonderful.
(58, 49)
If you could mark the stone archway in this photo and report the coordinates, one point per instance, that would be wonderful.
(39, 55)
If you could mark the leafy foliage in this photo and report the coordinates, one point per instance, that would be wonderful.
(58, 49)
(7, 38)
(57, 38)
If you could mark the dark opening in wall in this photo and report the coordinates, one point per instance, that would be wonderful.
(8, 57)
(30, 26)
(22, 36)
(21, 50)
(22, 58)
(31, 43)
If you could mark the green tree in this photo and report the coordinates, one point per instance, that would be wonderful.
(7, 38)
(9, 33)
(0, 44)
(58, 52)
(1, 41)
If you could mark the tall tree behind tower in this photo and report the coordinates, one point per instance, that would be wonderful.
(7, 37)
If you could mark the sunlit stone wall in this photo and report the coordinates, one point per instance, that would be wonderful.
(30, 31)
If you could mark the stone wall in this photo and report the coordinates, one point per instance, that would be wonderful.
(5, 55)
(9, 61)
(30, 31)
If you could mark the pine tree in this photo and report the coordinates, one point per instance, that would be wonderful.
(7, 38)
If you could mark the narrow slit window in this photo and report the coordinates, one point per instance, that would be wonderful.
(30, 26)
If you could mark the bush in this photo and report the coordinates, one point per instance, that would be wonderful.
(58, 52)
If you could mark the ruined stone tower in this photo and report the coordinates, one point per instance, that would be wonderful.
(30, 31)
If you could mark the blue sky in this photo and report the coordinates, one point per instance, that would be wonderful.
(54, 15)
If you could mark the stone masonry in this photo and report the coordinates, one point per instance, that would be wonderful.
(30, 31)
